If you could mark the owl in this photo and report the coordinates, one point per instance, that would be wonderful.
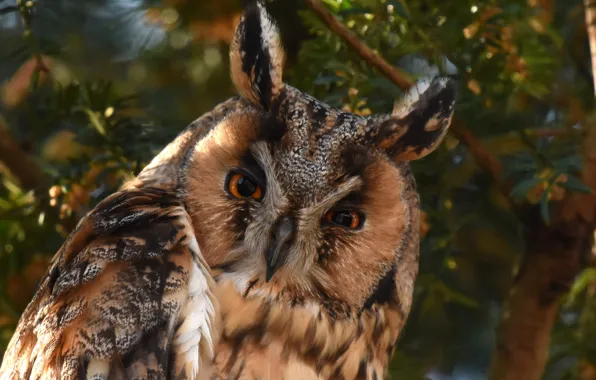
(275, 238)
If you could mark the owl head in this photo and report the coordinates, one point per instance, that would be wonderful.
(296, 201)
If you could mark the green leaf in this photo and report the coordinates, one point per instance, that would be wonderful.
(451, 295)
(576, 184)
(521, 189)
(327, 79)
(582, 281)
(569, 163)
(428, 304)
(544, 212)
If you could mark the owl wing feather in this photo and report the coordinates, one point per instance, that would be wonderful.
(128, 295)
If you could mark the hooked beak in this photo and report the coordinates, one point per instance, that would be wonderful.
(281, 239)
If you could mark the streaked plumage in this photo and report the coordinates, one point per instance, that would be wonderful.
(275, 238)
(122, 297)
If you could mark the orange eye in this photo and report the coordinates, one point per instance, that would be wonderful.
(346, 218)
(242, 187)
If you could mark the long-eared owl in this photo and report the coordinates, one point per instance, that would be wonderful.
(275, 238)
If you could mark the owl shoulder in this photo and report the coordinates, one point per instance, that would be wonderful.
(126, 289)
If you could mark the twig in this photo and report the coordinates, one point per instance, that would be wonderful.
(484, 159)
(550, 132)
(25, 8)
(400, 78)
(482, 156)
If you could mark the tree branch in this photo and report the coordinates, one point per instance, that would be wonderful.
(399, 77)
(484, 159)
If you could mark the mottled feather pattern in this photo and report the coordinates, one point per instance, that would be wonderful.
(327, 348)
(115, 293)
(172, 277)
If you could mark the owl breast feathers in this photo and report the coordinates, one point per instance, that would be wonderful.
(275, 238)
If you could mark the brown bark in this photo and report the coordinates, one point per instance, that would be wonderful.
(555, 254)
(553, 258)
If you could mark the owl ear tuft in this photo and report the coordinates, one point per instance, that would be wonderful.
(420, 121)
(257, 56)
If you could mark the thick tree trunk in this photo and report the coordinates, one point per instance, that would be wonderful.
(552, 259)
(554, 255)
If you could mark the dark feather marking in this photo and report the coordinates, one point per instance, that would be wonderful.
(83, 365)
(335, 308)
(239, 336)
(54, 274)
(120, 248)
(147, 345)
(60, 314)
(226, 266)
(362, 369)
(239, 222)
(82, 267)
(337, 375)
(296, 301)
(314, 354)
(340, 350)
(166, 268)
(256, 58)
(233, 358)
(384, 291)
(359, 328)
(317, 114)
(355, 159)
(282, 110)
(378, 327)
(240, 369)
(251, 284)
(430, 104)
(250, 165)
(341, 118)
(271, 129)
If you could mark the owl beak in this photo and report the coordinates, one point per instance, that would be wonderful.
(282, 236)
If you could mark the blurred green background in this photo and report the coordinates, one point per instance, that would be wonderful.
(90, 91)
